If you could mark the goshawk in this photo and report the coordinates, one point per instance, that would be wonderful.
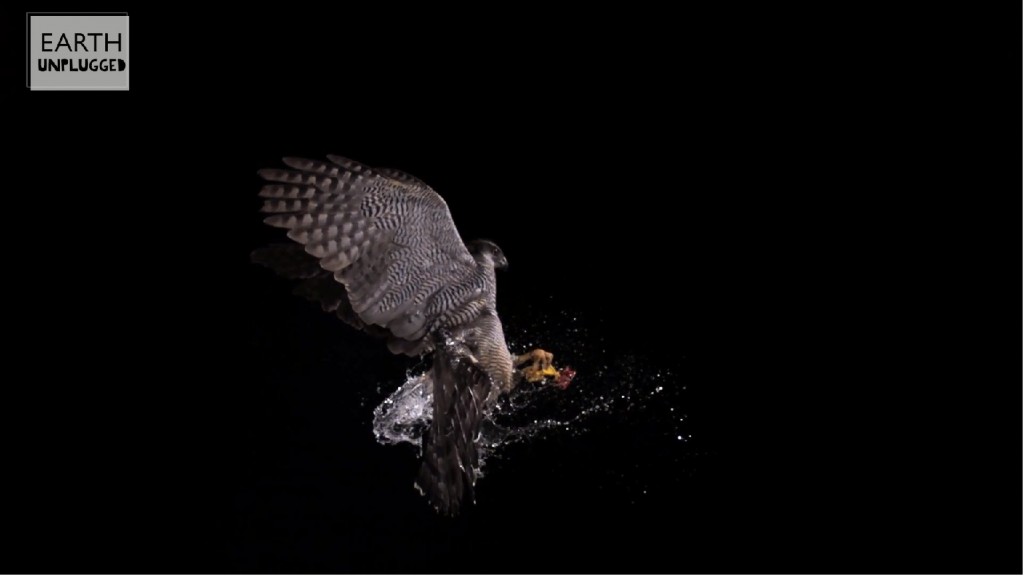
(378, 248)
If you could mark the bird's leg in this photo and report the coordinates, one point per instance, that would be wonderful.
(536, 356)
(535, 365)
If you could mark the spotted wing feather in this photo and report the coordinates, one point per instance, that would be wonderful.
(385, 236)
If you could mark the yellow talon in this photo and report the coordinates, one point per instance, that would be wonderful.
(539, 367)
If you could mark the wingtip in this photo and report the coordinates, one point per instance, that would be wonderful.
(297, 163)
(348, 164)
(278, 220)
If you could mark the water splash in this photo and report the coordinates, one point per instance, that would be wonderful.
(613, 390)
(405, 415)
(622, 392)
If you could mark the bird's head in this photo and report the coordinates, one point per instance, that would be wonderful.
(485, 249)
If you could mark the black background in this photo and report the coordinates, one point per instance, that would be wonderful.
(171, 407)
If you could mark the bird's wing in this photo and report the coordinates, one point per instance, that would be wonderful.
(385, 236)
(403, 177)
(450, 458)
(313, 282)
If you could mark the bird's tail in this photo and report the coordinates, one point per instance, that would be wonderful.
(450, 459)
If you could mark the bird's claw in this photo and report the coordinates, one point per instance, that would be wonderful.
(537, 365)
